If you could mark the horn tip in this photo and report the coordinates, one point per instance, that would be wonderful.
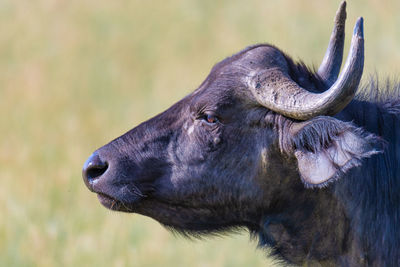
(359, 28)
(341, 13)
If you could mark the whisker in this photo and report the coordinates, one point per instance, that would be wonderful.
(125, 206)
(135, 190)
(113, 204)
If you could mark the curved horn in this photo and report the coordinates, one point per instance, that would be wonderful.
(330, 65)
(278, 92)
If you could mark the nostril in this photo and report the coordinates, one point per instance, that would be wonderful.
(96, 171)
(94, 168)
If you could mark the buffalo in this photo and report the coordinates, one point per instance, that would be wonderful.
(295, 156)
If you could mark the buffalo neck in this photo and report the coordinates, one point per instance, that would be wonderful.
(329, 225)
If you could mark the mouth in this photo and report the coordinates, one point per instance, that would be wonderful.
(115, 204)
(110, 202)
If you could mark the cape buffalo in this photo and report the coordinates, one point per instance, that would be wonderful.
(293, 155)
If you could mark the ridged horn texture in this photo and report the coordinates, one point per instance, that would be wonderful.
(275, 90)
(330, 65)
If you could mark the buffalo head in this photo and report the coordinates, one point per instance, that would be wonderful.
(258, 131)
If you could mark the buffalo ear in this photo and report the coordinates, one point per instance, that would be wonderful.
(326, 148)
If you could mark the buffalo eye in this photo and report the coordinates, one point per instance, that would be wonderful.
(210, 118)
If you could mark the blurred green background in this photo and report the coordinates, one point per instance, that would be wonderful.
(75, 74)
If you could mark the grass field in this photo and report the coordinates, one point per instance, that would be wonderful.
(75, 74)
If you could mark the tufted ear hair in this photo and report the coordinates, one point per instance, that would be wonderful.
(326, 148)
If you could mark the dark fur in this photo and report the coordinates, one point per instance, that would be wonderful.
(199, 178)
